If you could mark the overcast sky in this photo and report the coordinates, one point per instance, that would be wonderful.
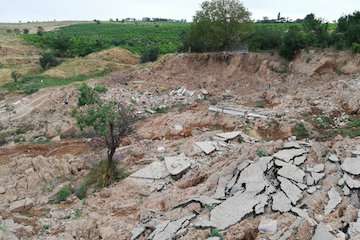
(28, 10)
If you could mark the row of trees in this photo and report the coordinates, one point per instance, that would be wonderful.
(223, 25)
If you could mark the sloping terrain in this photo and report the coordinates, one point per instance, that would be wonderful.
(228, 145)
(114, 59)
(17, 56)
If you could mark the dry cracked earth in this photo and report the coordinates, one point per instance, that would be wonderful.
(216, 153)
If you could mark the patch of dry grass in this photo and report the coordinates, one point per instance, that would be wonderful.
(110, 60)
(16, 55)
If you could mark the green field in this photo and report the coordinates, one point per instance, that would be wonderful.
(286, 26)
(136, 37)
(82, 39)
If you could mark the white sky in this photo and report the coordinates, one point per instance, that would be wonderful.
(28, 10)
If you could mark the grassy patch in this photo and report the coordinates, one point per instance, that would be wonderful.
(31, 84)
(300, 131)
(100, 88)
(323, 122)
(216, 233)
(97, 179)
(260, 152)
(82, 39)
(62, 195)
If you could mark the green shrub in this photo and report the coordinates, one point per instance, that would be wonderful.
(48, 60)
(260, 152)
(355, 48)
(293, 41)
(88, 95)
(150, 55)
(40, 31)
(265, 39)
(300, 131)
(216, 233)
(81, 191)
(15, 76)
(354, 123)
(30, 89)
(323, 122)
(100, 88)
(97, 176)
(63, 194)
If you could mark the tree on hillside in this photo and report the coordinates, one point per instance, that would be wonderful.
(349, 28)
(110, 121)
(311, 23)
(317, 30)
(219, 25)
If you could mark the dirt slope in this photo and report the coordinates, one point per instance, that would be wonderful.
(302, 189)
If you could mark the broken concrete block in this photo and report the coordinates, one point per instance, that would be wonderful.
(289, 154)
(203, 200)
(303, 214)
(253, 177)
(333, 158)
(310, 181)
(220, 192)
(155, 170)
(351, 165)
(228, 136)
(281, 202)
(136, 232)
(292, 172)
(260, 208)
(233, 210)
(317, 176)
(168, 230)
(334, 200)
(202, 223)
(21, 205)
(341, 182)
(300, 160)
(177, 165)
(267, 226)
(322, 232)
(2, 190)
(346, 190)
(280, 163)
(290, 189)
(289, 145)
(207, 147)
(311, 190)
(237, 112)
(355, 153)
(214, 238)
(316, 168)
(351, 183)
(354, 228)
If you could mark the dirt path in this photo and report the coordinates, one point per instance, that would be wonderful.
(24, 106)
(73, 147)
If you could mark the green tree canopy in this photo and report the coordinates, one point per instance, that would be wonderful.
(219, 25)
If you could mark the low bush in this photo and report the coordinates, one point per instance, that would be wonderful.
(97, 176)
(100, 88)
(63, 194)
(48, 60)
(294, 40)
(300, 131)
(150, 55)
(355, 48)
(88, 95)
